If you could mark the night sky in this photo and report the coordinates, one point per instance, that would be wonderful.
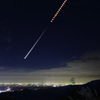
(70, 48)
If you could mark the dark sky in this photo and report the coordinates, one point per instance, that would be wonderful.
(71, 40)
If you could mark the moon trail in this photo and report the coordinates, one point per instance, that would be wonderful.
(35, 44)
(58, 11)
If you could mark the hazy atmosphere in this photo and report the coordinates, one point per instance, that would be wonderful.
(69, 48)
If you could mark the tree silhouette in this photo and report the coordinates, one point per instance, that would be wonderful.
(72, 81)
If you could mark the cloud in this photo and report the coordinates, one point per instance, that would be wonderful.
(2, 68)
(85, 69)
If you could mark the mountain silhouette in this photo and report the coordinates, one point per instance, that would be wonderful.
(88, 91)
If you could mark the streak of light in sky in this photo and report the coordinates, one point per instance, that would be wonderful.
(58, 11)
(35, 44)
(45, 29)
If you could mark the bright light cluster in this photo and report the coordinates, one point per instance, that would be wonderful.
(7, 90)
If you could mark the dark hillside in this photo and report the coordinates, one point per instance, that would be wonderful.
(89, 91)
